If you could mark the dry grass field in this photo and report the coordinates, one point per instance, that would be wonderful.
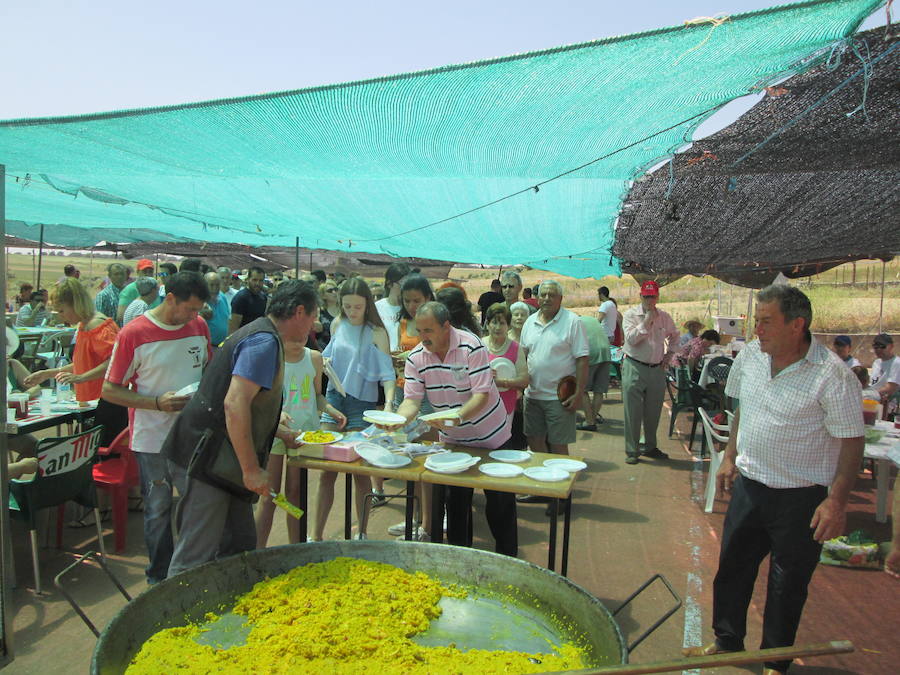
(839, 305)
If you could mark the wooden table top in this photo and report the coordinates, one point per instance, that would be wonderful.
(361, 467)
(472, 477)
(520, 484)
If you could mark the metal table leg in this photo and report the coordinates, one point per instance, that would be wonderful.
(567, 522)
(551, 557)
(410, 496)
(348, 504)
(304, 505)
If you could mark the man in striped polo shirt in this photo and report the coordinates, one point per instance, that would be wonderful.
(451, 365)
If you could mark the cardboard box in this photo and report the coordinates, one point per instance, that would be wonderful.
(338, 452)
(729, 325)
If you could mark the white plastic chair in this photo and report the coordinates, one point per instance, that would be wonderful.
(713, 433)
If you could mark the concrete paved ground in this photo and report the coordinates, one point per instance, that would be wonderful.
(629, 522)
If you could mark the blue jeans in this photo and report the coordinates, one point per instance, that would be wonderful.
(156, 489)
(352, 407)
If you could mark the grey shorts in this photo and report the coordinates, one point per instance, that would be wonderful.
(550, 419)
(598, 377)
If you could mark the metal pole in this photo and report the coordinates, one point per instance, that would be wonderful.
(6, 610)
(881, 306)
(40, 255)
(748, 324)
(296, 257)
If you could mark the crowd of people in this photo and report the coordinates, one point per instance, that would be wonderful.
(256, 351)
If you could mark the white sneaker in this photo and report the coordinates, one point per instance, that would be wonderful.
(360, 536)
(419, 534)
(400, 528)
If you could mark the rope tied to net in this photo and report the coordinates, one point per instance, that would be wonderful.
(867, 68)
(867, 76)
(716, 21)
(671, 178)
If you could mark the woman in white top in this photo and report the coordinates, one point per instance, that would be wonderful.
(302, 396)
(359, 354)
(389, 306)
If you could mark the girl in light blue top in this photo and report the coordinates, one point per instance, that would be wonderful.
(359, 352)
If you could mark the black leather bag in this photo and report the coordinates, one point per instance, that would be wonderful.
(215, 463)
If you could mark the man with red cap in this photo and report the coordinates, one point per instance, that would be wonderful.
(650, 337)
(130, 292)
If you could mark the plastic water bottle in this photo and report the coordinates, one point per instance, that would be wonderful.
(63, 391)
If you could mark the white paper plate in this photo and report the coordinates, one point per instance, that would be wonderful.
(500, 470)
(546, 474)
(447, 459)
(391, 461)
(569, 465)
(514, 456)
(504, 368)
(383, 417)
(373, 453)
(451, 414)
(452, 468)
(337, 436)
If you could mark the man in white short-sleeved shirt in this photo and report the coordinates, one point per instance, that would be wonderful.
(155, 355)
(798, 430)
(885, 376)
(556, 346)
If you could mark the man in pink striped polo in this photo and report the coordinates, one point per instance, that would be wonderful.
(451, 365)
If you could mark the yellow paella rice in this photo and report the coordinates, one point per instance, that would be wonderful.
(317, 437)
(341, 616)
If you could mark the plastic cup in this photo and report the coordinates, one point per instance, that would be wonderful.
(45, 404)
(10, 414)
(46, 394)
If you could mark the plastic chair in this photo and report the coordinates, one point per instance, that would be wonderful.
(64, 474)
(712, 432)
(686, 394)
(117, 475)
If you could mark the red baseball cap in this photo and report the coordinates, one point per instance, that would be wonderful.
(650, 289)
(144, 263)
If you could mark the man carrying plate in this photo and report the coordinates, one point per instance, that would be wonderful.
(451, 365)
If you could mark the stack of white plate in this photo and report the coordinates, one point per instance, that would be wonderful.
(380, 457)
(451, 462)
(513, 456)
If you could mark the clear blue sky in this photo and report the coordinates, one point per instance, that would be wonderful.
(63, 57)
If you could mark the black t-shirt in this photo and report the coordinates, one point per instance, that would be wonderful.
(486, 300)
(249, 305)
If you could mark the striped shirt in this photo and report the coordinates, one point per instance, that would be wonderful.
(452, 381)
(791, 424)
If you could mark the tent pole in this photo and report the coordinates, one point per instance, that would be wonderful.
(881, 306)
(6, 610)
(749, 321)
(37, 285)
(296, 257)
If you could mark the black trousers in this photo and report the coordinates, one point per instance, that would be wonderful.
(500, 511)
(762, 521)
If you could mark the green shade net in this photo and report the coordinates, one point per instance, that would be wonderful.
(370, 166)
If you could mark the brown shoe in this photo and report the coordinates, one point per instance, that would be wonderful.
(704, 650)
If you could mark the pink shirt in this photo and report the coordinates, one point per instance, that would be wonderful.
(452, 381)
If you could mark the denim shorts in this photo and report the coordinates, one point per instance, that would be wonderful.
(352, 407)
